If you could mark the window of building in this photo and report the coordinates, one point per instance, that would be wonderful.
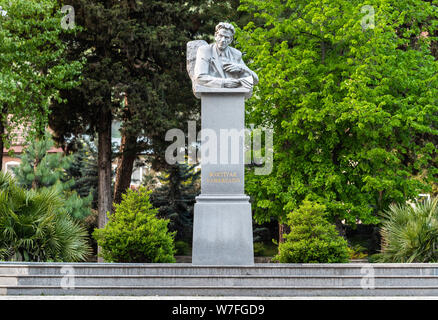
(10, 165)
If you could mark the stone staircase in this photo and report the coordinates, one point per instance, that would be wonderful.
(181, 279)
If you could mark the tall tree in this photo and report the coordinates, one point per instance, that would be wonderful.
(159, 95)
(134, 50)
(127, 156)
(353, 103)
(33, 66)
(93, 105)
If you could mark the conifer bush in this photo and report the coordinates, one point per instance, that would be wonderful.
(40, 169)
(134, 233)
(312, 238)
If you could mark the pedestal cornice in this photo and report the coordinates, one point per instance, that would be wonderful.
(199, 90)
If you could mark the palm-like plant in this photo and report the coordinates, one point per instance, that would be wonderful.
(410, 233)
(34, 226)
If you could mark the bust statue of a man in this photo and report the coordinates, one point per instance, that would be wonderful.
(220, 66)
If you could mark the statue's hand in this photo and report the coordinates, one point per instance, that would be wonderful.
(232, 83)
(233, 67)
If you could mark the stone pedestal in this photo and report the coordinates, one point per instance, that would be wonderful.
(222, 227)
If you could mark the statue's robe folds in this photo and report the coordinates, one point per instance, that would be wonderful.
(209, 70)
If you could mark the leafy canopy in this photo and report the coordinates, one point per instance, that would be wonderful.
(354, 109)
(33, 66)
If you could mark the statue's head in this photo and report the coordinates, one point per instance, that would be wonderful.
(224, 35)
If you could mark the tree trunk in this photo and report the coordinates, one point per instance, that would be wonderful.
(104, 170)
(35, 182)
(379, 201)
(282, 230)
(2, 133)
(125, 166)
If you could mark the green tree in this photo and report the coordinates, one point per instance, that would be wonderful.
(175, 198)
(134, 233)
(40, 169)
(33, 66)
(353, 105)
(135, 73)
(131, 48)
(35, 226)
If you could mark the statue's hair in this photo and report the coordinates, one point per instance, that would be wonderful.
(226, 26)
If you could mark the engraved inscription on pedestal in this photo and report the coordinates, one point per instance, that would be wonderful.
(222, 177)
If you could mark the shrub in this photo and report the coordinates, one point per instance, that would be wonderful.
(410, 233)
(358, 252)
(34, 226)
(312, 238)
(134, 233)
(182, 248)
(259, 249)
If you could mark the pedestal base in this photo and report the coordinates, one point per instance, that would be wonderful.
(222, 231)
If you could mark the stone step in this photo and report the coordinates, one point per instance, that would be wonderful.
(352, 269)
(248, 291)
(216, 280)
(187, 280)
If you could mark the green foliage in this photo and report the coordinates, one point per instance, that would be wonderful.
(41, 169)
(34, 226)
(312, 238)
(410, 234)
(182, 248)
(83, 170)
(357, 252)
(76, 206)
(134, 233)
(363, 239)
(136, 50)
(354, 111)
(150, 180)
(175, 198)
(33, 67)
(263, 249)
(271, 249)
(259, 249)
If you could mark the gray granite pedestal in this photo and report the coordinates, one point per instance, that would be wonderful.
(222, 227)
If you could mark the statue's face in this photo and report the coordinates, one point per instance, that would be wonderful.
(223, 38)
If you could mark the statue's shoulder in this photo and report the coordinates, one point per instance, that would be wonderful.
(205, 50)
(235, 52)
